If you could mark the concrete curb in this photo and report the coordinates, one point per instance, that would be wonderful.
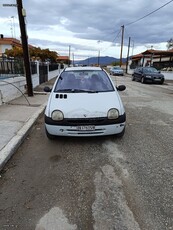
(7, 152)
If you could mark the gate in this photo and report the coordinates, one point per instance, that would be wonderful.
(43, 73)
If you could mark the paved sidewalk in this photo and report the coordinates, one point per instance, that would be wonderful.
(17, 118)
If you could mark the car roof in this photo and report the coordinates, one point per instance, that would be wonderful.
(148, 67)
(82, 68)
(145, 67)
(117, 66)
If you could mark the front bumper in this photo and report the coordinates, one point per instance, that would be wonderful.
(73, 131)
(154, 79)
(70, 127)
(118, 74)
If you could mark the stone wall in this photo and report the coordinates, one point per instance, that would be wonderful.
(11, 88)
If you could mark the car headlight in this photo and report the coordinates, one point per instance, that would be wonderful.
(57, 115)
(148, 76)
(113, 114)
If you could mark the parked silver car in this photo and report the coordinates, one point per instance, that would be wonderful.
(117, 70)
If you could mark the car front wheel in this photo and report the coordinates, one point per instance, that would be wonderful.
(142, 80)
(50, 136)
(133, 78)
(119, 135)
(162, 81)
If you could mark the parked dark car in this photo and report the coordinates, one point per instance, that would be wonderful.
(148, 74)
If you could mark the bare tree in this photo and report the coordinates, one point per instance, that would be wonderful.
(169, 44)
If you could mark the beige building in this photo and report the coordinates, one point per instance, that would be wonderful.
(161, 59)
(9, 43)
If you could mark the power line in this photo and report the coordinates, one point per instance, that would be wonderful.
(149, 13)
(109, 36)
(139, 20)
(112, 41)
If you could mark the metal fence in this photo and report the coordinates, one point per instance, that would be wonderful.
(53, 66)
(162, 65)
(15, 67)
(11, 66)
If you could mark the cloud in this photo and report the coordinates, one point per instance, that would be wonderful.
(82, 23)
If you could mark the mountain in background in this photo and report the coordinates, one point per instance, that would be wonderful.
(102, 61)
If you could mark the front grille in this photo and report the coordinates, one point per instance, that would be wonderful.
(85, 132)
(86, 121)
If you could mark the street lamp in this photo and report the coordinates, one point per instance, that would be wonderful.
(14, 32)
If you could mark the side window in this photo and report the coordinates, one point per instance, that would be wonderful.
(140, 70)
(105, 80)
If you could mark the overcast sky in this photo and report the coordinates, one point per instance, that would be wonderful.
(92, 25)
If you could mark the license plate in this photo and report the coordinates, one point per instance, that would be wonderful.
(86, 128)
(157, 79)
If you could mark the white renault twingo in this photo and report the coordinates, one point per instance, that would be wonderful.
(84, 102)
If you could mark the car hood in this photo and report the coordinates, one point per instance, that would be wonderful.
(117, 70)
(84, 105)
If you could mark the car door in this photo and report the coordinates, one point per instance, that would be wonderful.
(138, 73)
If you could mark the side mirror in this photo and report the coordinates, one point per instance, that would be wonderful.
(47, 89)
(121, 87)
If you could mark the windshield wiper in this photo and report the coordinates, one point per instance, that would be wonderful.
(77, 91)
(84, 91)
(63, 90)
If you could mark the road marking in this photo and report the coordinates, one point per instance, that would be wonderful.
(110, 209)
(117, 157)
(53, 220)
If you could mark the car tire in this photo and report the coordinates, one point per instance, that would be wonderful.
(162, 81)
(142, 80)
(119, 135)
(50, 136)
(133, 78)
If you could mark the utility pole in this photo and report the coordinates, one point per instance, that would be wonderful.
(99, 58)
(69, 55)
(99, 41)
(127, 59)
(22, 14)
(122, 39)
(73, 59)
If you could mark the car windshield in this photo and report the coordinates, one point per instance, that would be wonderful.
(150, 70)
(117, 67)
(84, 81)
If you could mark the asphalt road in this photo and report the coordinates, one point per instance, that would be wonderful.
(102, 183)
